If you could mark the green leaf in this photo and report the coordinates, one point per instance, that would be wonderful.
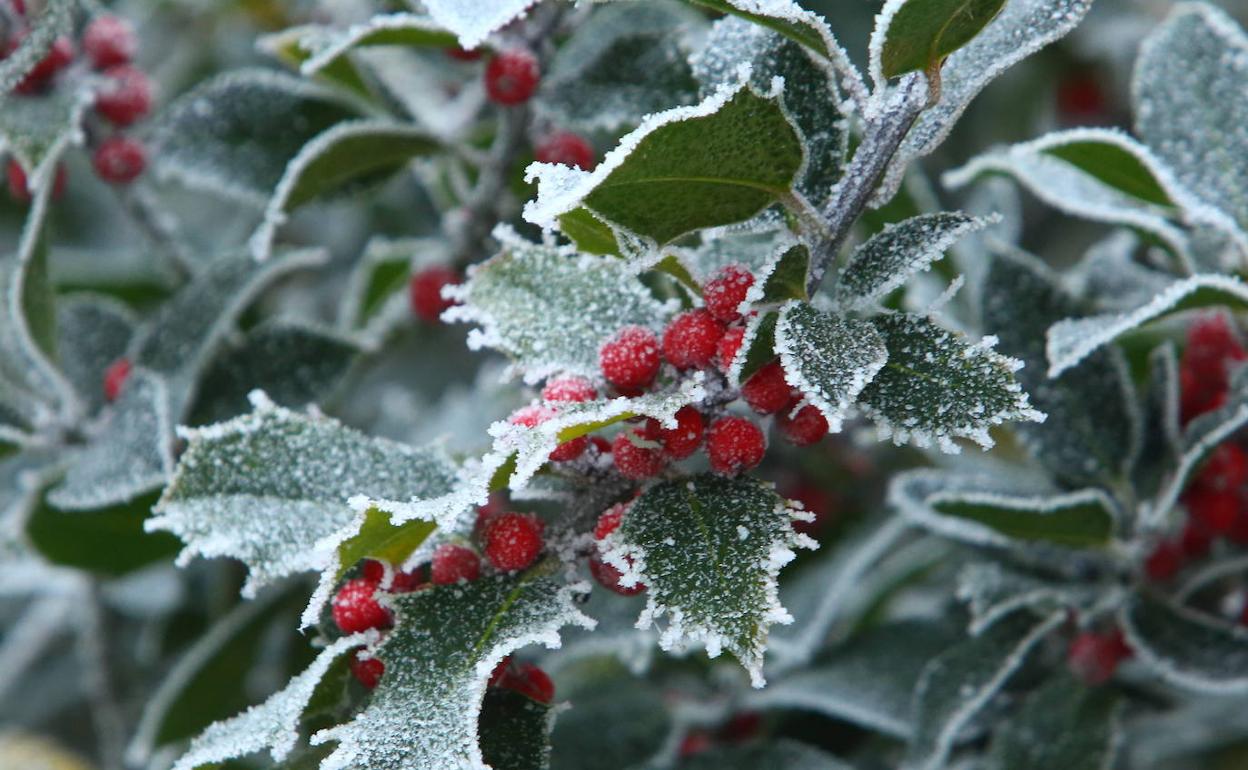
(689, 168)
(937, 386)
(108, 540)
(829, 358)
(806, 28)
(1115, 165)
(288, 47)
(36, 130)
(377, 538)
(917, 35)
(1079, 728)
(784, 277)
(93, 331)
(446, 642)
(993, 590)
(515, 731)
(1185, 647)
(709, 550)
(602, 692)
(758, 347)
(590, 234)
(376, 299)
(783, 754)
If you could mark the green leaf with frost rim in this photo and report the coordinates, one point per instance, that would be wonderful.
(917, 35)
(758, 347)
(1186, 648)
(1079, 725)
(36, 131)
(92, 332)
(55, 20)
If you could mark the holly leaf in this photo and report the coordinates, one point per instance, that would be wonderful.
(709, 550)
(35, 131)
(515, 731)
(783, 277)
(1079, 727)
(917, 35)
(107, 541)
(603, 692)
(1186, 648)
(55, 20)
(993, 591)
(758, 347)
(92, 332)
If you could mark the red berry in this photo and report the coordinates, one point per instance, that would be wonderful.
(109, 41)
(119, 160)
(1094, 657)
(694, 743)
(610, 520)
(1226, 468)
(425, 292)
(367, 671)
(726, 291)
(115, 377)
(126, 96)
(372, 570)
(1080, 98)
(767, 392)
(804, 428)
(686, 437)
(1164, 562)
(574, 389)
(608, 577)
(638, 453)
(601, 444)
(529, 680)
(1203, 376)
(630, 359)
(463, 54)
(567, 148)
(58, 58)
(728, 345)
(743, 726)
(409, 582)
(1215, 509)
(1196, 540)
(19, 190)
(512, 541)
(735, 444)
(692, 339)
(452, 563)
(511, 77)
(499, 674)
(355, 607)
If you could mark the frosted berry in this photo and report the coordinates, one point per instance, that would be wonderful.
(373, 571)
(109, 41)
(804, 428)
(1226, 468)
(115, 377)
(610, 520)
(425, 292)
(1215, 509)
(728, 345)
(1203, 374)
(567, 148)
(726, 291)
(512, 541)
(500, 672)
(573, 389)
(119, 160)
(126, 96)
(529, 680)
(637, 453)
(409, 582)
(453, 563)
(1165, 561)
(511, 77)
(630, 359)
(735, 444)
(19, 190)
(767, 391)
(58, 58)
(607, 576)
(367, 671)
(355, 607)
(1094, 657)
(534, 414)
(686, 437)
(692, 339)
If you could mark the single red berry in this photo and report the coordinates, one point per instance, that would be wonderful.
(804, 428)
(511, 77)
(367, 671)
(109, 41)
(529, 680)
(1164, 562)
(686, 437)
(692, 339)
(741, 727)
(119, 160)
(115, 377)
(638, 454)
(569, 388)
(735, 444)
(607, 576)
(726, 291)
(814, 499)
(610, 520)
(126, 96)
(512, 541)
(1196, 541)
(1215, 509)
(767, 391)
(567, 148)
(20, 191)
(57, 58)
(695, 742)
(1080, 98)
(499, 674)
(601, 444)
(464, 54)
(453, 563)
(1203, 372)
(630, 359)
(409, 582)
(425, 292)
(728, 345)
(1226, 468)
(1094, 657)
(372, 570)
(355, 607)
(19, 7)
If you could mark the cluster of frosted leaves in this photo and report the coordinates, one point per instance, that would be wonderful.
(550, 309)
(1186, 648)
(266, 488)
(709, 550)
(811, 96)
(992, 591)
(55, 20)
(1061, 724)
(92, 332)
(626, 61)
(35, 131)
(439, 657)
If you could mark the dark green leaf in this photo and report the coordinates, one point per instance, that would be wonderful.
(1187, 648)
(515, 731)
(917, 35)
(785, 277)
(1115, 166)
(900, 250)
(108, 540)
(377, 538)
(590, 234)
(1063, 724)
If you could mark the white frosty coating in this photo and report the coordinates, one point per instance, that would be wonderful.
(875, 47)
(55, 20)
(1194, 639)
(473, 21)
(755, 294)
(1074, 339)
(40, 166)
(991, 593)
(1111, 278)
(329, 44)
(275, 213)
(1223, 568)
(272, 725)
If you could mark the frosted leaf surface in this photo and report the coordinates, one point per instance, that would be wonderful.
(130, 453)
(92, 333)
(325, 50)
(993, 591)
(473, 22)
(957, 684)
(36, 131)
(1062, 724)
(603, 695)
(446, 642)
(783, 278)
(1110, 277)
(828, 358)
(900, 250)
(267, 487)
(753, 249)
(550, 309)
(937, 386)
(272, 725)
(55, 20)
(1186, 648)
(716, 586)
(782, 754)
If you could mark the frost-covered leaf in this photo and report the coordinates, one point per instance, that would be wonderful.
(709, 549)
(993, 591)
(1187, 648)
(130, 453)
(36, 130)
(515, 731)
(959, 682)
(1115, 159)
(1073, 339)
(326, 51)
(590, 234)
(1001, 510)
(267, 487)
(55, 20)
(551, 309)
(1111, 277)
(92, 333)
(473, 22)
(1062, 724)
(900, 250)
(107, 540)
(937, 386)
(782, 754)
(830, 359)
(783, 277)
(758, 347)
(626, 61)
(374, 296)
(234, 134)
(868, 681)
(600, 692)
(272, 725)
(917, 35)
(715, 163)
(811, 96)
(446, 642)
